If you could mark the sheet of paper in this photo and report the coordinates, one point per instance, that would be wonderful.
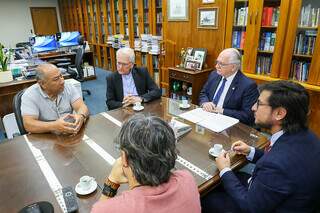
(213, 121)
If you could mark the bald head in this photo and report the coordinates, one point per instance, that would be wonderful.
(43, 71)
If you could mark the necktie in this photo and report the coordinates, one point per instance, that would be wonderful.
(218, 94)
(267, 148)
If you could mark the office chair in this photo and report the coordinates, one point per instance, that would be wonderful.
(76, 71)
(16, 105)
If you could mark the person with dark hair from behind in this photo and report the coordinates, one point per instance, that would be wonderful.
(228, 91)
(287, 173)
(148, 155)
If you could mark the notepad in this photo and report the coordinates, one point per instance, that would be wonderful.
(213, 121)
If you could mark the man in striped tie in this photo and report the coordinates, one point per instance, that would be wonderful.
(286, 176)
(227, 90)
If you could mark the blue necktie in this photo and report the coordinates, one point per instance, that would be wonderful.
(218, 94)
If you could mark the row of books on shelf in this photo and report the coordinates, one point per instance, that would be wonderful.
(305, 42)
(299, 70)
(267, 41)
(240, 16)
(270, 16)
(148, 43)
(159, 17)
(118, 41)
(309, 17)
(238, 39)
(263, 66)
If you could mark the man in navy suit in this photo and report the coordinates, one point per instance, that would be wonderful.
(228, 91)
(286, 176)
(130, 84)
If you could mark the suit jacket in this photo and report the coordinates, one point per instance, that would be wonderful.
(241, 96)
(286, 179)
(145, 86)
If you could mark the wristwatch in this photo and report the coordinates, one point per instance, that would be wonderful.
(84, 116)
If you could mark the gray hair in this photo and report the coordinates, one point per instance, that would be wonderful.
(40, 75)
(128, 52)
(149, 144)
(235, 56)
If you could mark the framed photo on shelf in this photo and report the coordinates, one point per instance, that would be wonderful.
(192, 65)
(199, 55)
(178, 10)
(189, 51)
(208, 17)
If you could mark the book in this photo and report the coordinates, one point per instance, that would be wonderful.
(179, 128)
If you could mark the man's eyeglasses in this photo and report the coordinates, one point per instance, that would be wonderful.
(259, 103)
(220, 64)
(123, 64)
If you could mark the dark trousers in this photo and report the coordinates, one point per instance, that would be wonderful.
(218, 200)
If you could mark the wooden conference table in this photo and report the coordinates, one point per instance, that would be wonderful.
(34, 167)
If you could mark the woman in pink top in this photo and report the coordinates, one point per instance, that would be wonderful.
(148, 155)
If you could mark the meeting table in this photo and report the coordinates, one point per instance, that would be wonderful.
(35, 167)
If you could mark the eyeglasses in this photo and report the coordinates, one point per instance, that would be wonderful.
(123, 64)
(261, 104)
(220, 64)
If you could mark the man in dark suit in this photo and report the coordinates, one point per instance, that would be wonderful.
(130, 84)
(227, 90)
(287, 173)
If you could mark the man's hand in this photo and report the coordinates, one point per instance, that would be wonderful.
(62, 126)
(78, 121)
(117, 175)
(218, 110)
(128, 100)
(223, 160)
(208, 106)
(240, 147)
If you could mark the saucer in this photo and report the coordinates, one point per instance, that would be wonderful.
(184, 107)
(213, 153)
(92, 188)
(138, 108)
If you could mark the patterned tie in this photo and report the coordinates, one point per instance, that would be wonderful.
(267, 148)
(218, 94)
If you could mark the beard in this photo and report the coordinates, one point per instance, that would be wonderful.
(264, 125)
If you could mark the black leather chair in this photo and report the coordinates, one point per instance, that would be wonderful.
(76, 71)
(16, 105)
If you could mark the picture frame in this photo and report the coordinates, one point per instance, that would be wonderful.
(189, 51)
(192, 65)
(178, 10)
(208, 1)
(199, 55)
(208, 17)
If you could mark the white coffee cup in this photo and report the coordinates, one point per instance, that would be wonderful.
(137, 105)
(86, 182)
(217, 148)
(189, 91)
(184, 103)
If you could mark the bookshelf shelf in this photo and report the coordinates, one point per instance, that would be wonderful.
(302, 56)
(307, 28)
(265, 52)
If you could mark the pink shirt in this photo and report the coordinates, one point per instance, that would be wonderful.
(179, 194)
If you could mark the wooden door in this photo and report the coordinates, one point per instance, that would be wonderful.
(44, 20)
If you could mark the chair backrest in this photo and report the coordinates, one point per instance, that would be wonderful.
(16, 105)
(78, 62)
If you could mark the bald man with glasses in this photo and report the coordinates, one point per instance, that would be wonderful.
(228, 91)
(130, 84)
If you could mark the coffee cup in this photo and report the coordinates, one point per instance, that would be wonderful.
(86, 182)
(184, 103)
(189, 91)
(217, 148)
(137, 105)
